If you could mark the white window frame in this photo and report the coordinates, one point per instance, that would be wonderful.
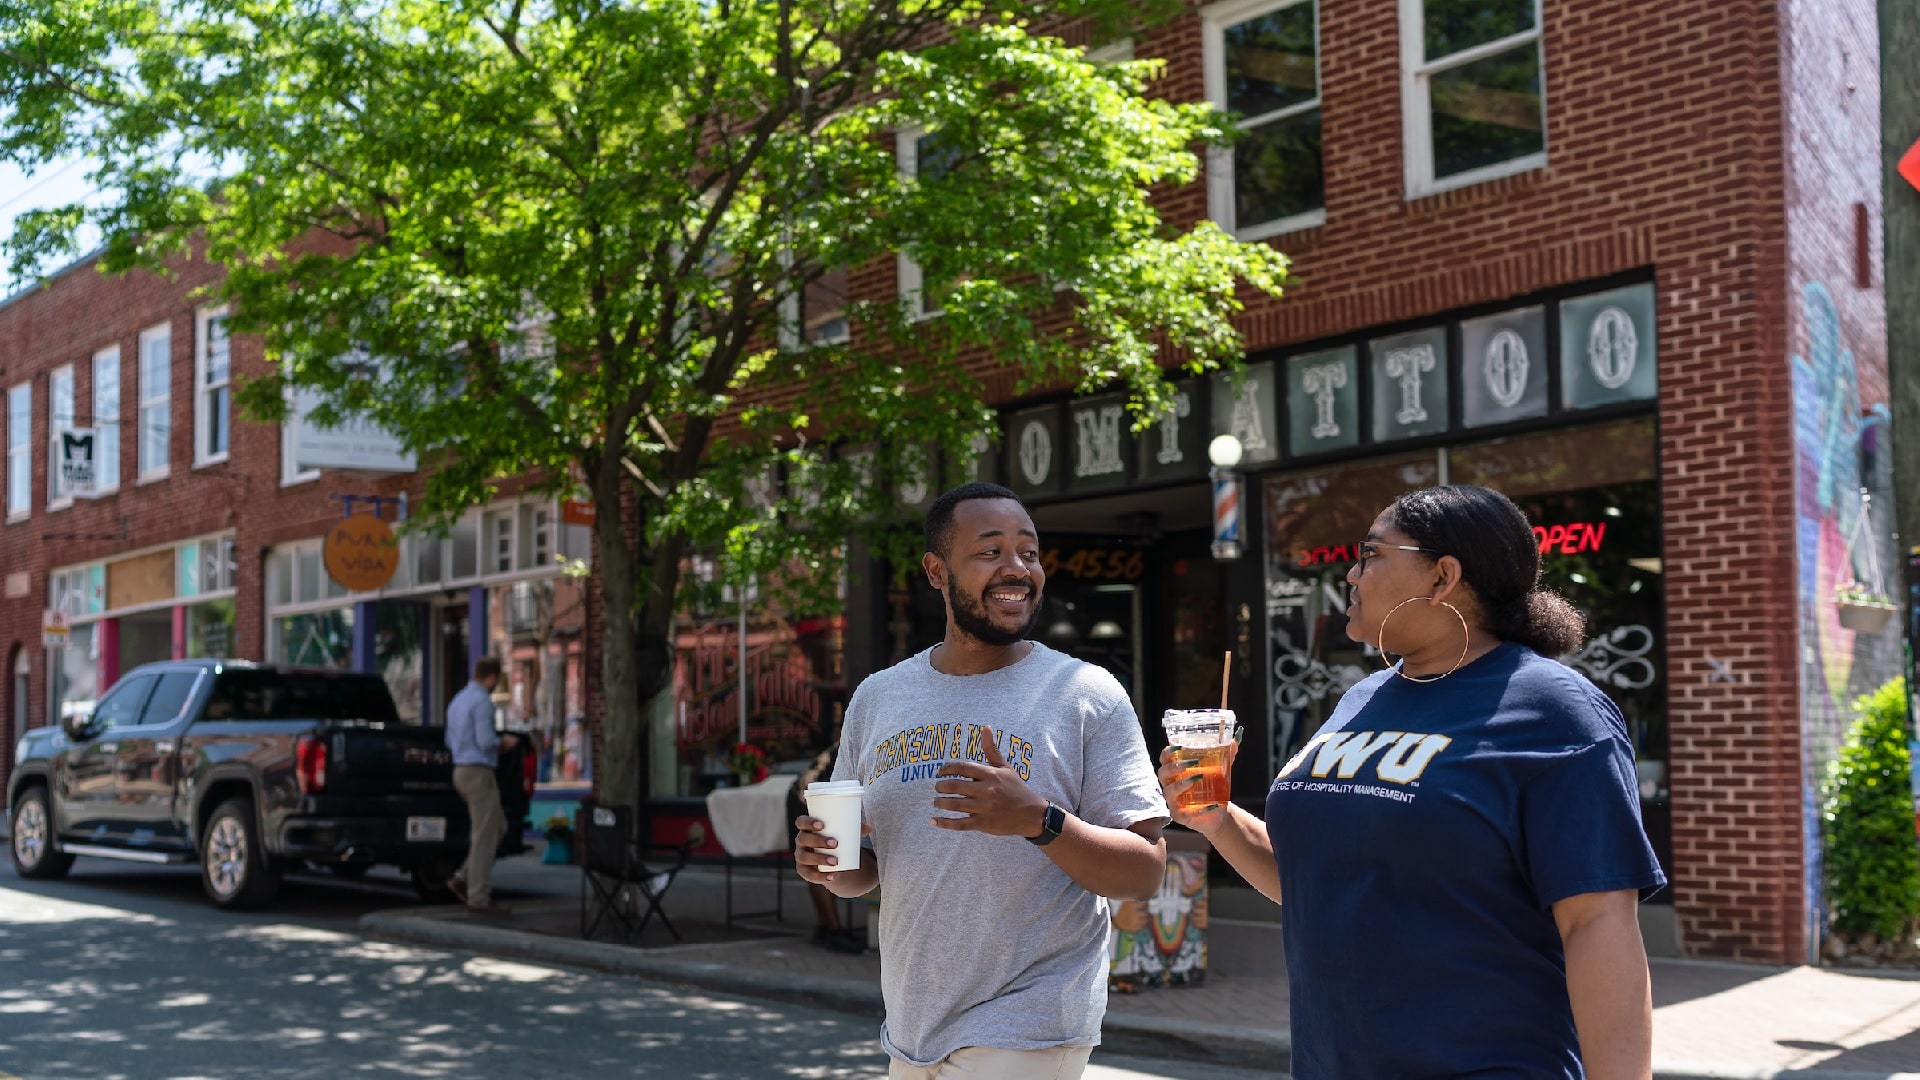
(154, 401)
(793, 312)
(290, 474)
(1213, 24)
(204, 391)
(1416, 74)
(19, 446)
(106, 420)
(912, 279)
(57, 425)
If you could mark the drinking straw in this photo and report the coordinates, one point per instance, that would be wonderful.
(1226, 667)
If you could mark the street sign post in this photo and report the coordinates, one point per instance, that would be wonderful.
(54, 628)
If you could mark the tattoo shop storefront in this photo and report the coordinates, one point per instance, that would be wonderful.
(1549, 399)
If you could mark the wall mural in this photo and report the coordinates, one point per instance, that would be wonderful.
(1163, 941)
(1837, 665)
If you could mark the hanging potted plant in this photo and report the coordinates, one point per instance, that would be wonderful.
(1862, 611)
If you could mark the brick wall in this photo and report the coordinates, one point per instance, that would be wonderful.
(1665, 144)
(1836, 350)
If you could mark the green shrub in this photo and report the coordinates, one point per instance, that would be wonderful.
(1872, 859)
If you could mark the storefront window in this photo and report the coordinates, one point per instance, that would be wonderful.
(794, 682)
(1314, 519)
(322, 639)
(75, 670)
(210, 629)
(536, 629)
(398, 649)
(1593, 496)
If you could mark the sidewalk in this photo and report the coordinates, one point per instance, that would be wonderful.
(1711, 1021)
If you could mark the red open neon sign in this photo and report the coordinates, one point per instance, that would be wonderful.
(1570, 539)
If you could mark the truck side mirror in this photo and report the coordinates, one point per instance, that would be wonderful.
(79, 727)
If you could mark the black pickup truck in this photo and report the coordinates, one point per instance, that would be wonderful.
(250, 771)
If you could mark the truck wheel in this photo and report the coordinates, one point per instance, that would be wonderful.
(430, 879)
(233, 865)
(35, 854)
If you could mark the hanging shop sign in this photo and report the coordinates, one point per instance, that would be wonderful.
(1409, 384)
(1099, 443)
(1503, 375)
(1246, 411)
(76, 450)
(1036, 458)
(1607, 348)
(355, 444)
(1323, 401)
(1175, 447)
(361, 553)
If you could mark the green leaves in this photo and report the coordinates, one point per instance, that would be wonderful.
(1872, 856)
(565, 231)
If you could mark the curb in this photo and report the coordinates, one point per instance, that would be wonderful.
(1147, 1036)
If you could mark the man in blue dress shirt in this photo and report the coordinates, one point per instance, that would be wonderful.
(476, 752)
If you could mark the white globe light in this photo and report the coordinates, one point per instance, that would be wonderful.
(1225, 451)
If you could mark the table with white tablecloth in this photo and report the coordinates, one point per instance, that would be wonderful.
(751, 822)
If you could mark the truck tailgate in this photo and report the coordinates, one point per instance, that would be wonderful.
(373, 760)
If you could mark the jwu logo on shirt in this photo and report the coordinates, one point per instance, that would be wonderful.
(1398, 757)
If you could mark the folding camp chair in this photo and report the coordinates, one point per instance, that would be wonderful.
(612, 862)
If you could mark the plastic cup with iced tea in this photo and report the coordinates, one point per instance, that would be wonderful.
(1205, 735)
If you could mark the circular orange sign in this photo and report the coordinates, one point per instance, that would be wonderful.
(361, 553)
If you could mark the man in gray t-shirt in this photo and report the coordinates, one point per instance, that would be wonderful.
(1008, 792)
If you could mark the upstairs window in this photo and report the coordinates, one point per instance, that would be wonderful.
(1263, 66)
(922, 157)
(156, 387)
(213, 389)
(817, 314)
(59, 422)
(106, 418)
(1473, 91)
(19, 451)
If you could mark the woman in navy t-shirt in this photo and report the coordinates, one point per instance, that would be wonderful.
(1459, 846)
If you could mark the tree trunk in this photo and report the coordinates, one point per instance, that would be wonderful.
(617, 773)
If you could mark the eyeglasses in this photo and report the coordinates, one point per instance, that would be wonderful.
(1368, 550)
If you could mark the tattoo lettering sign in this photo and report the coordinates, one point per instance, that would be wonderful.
(1323, 401)
(1100, 443)
(1607, 348)
(1503, 367)
(1036, 452)
(1246, 410)
(1175, 447)
(1409, 384)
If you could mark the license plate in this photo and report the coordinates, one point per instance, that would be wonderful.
(426, 828)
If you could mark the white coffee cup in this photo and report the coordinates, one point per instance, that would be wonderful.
(837, 803)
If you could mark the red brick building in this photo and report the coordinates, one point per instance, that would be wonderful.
(1614, 258)
(205, 536)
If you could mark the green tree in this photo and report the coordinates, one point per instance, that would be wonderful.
(566, 230)
(1872, 858)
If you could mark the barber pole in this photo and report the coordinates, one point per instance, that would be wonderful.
(1226, 513)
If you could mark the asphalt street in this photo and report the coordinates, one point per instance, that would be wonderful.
(126, 973)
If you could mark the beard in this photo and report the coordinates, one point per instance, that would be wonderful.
(970, 615)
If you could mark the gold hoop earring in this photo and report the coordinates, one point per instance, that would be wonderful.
(1399, 669)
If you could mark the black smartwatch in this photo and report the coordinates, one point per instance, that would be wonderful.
(1050, 826)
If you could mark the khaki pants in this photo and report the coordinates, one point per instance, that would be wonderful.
(992, 1063)
(476, 784)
